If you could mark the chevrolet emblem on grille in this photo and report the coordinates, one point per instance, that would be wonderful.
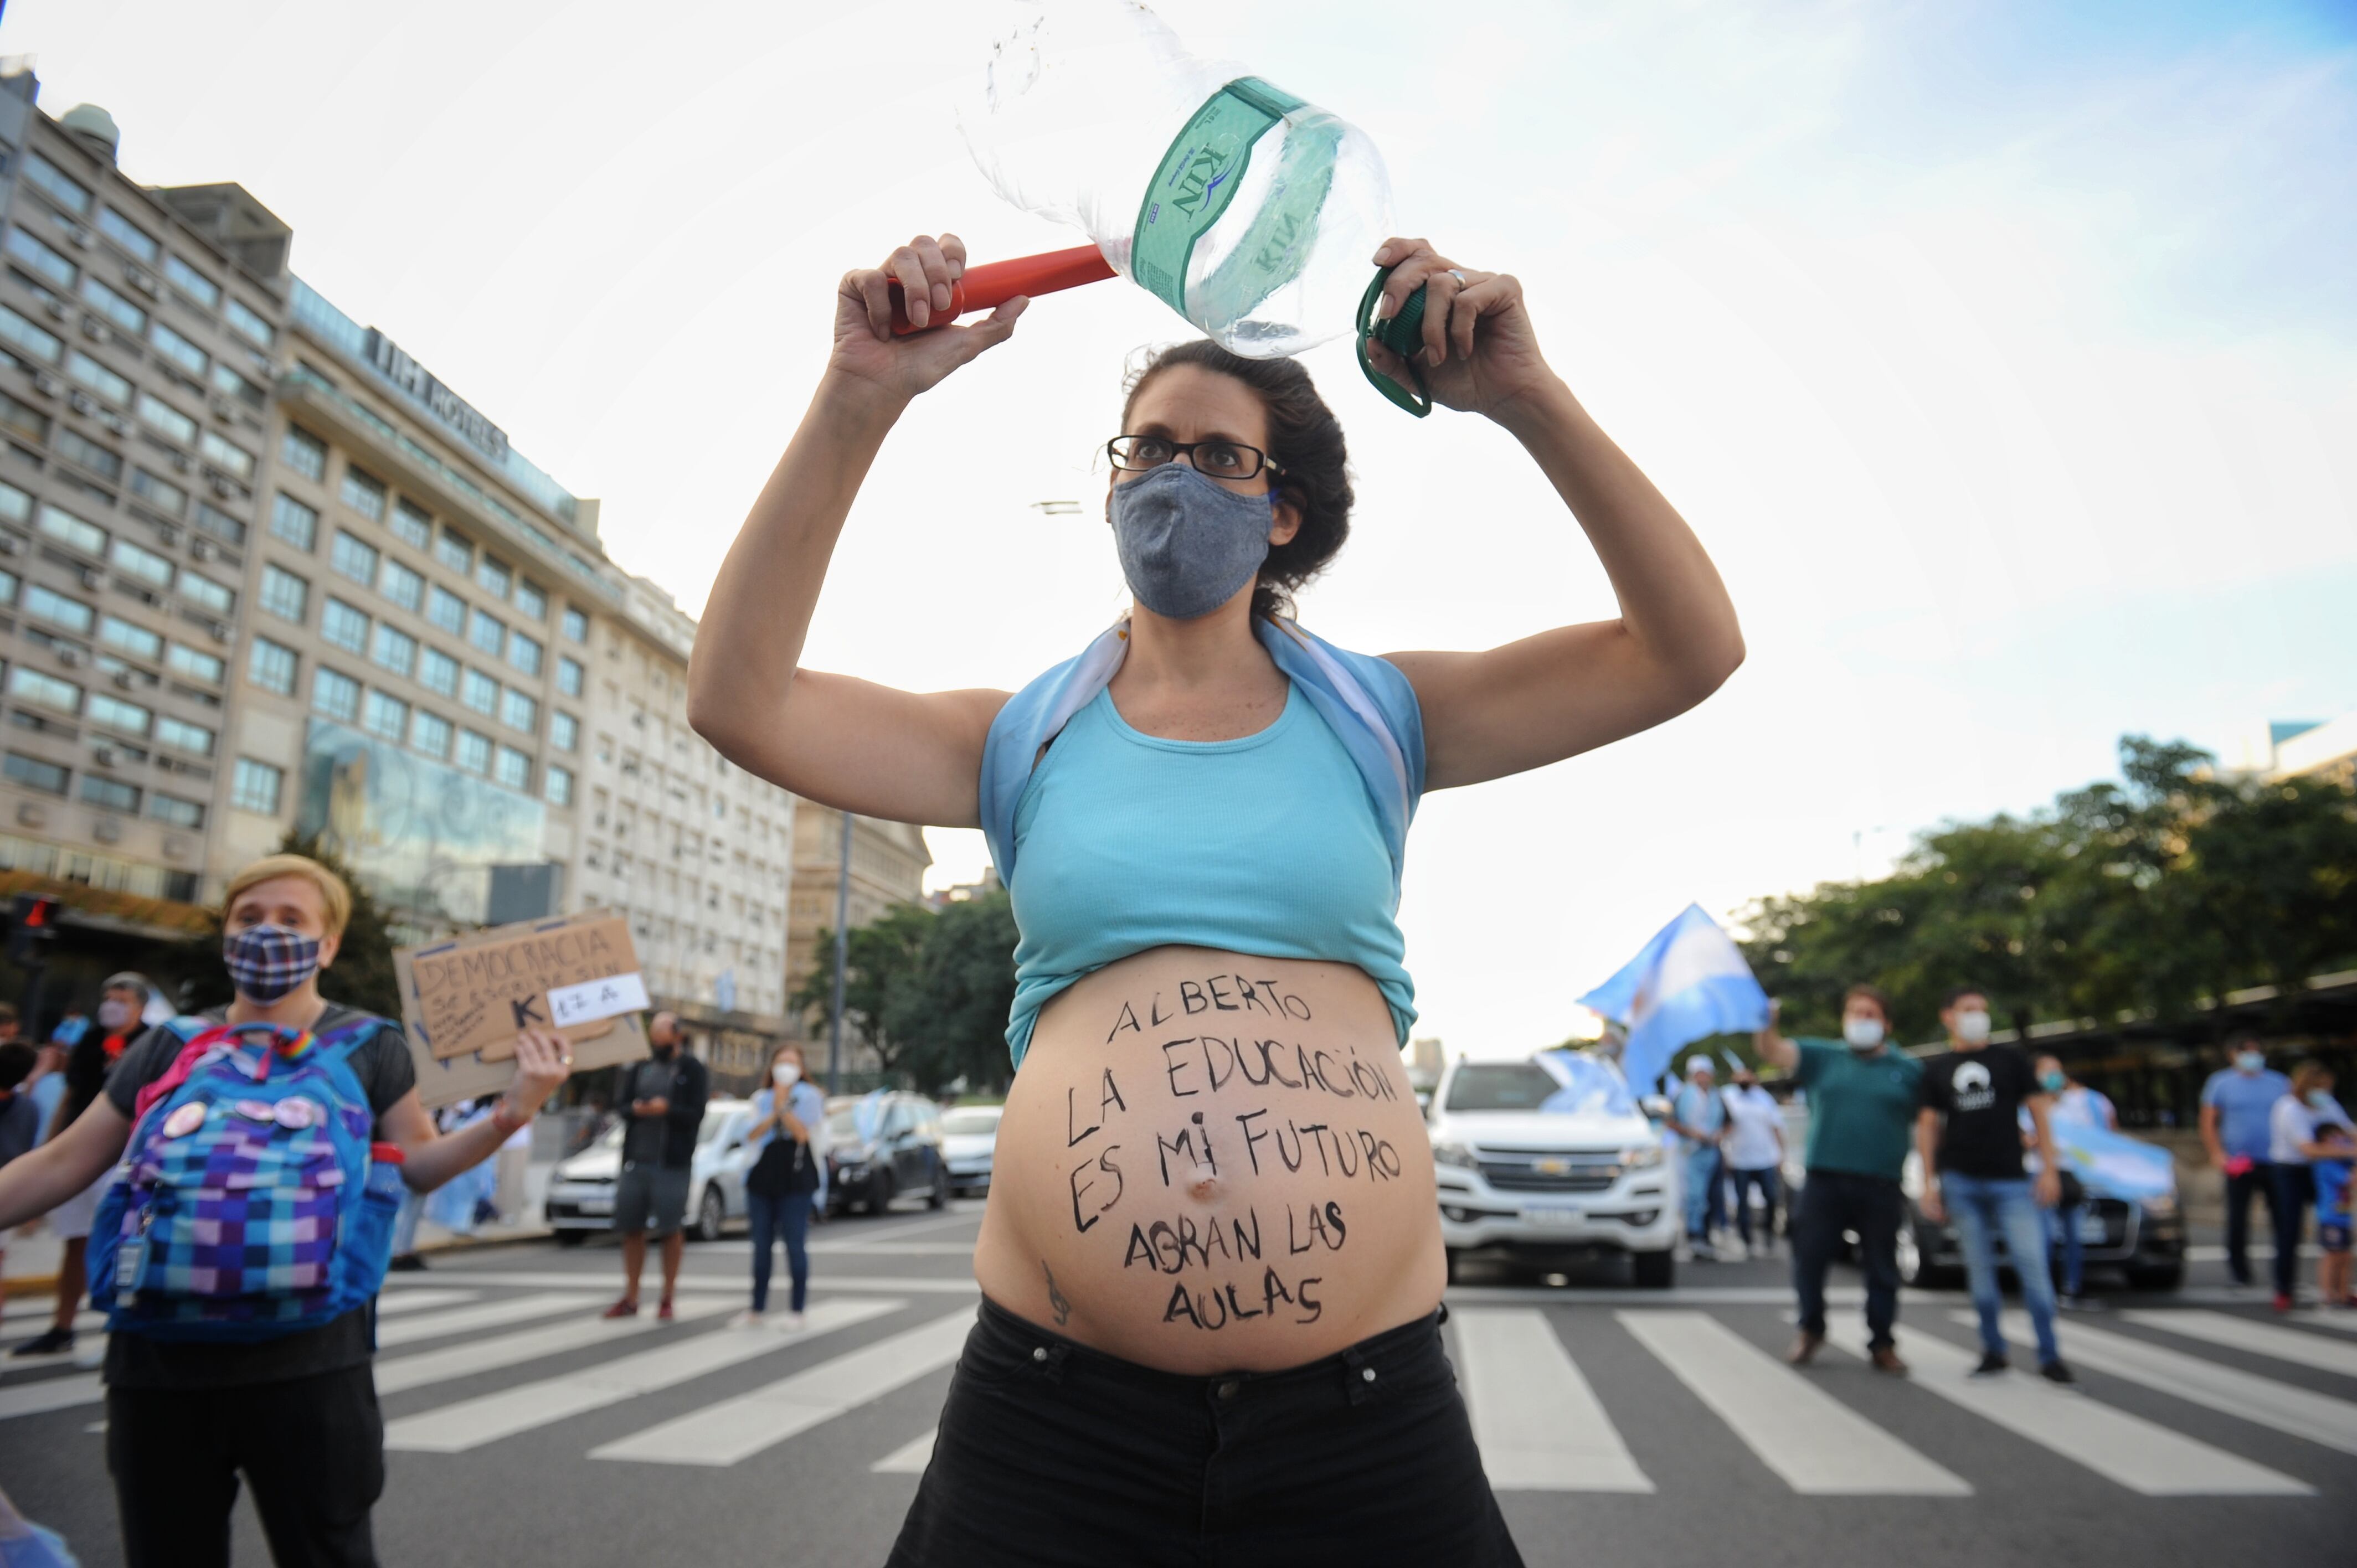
(1550, 1167)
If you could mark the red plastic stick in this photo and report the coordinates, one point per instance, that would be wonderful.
(994, 282)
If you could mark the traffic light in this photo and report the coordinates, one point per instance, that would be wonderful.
(32, 918)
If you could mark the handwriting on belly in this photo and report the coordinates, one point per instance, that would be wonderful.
(1227, 1263)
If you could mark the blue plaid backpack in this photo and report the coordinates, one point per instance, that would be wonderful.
(249, 1204)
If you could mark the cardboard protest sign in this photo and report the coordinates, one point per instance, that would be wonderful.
(464, 1001)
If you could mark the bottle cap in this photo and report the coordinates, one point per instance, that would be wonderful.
(385, 1154)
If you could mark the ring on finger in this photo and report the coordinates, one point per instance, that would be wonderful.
(1459, 277)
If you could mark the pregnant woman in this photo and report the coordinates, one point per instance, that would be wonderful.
(1210, 1264)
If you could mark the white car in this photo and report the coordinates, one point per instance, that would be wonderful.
(581, 1189)
(969, 1137)
(1537, 1187)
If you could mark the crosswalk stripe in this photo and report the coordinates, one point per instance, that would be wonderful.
(407, 1330)
(2320, 1418)
(2340, 1321)
(738, 1283)
(1817, 1444)
(2140, 1454)
(470, 1424)
(83, 1322)
(390, 1304)
(737, 1429)
(397, 1374)
(1538, 1423)
(48, 1394)
(910, 1458)
(2258, 1338)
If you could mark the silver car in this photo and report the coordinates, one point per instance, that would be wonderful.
(969, 1139)
(581, 1189)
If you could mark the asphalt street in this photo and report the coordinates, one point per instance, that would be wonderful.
(1622, 1428)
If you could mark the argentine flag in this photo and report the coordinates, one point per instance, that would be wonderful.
(1689, 982)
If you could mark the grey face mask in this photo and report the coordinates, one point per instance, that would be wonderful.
(1186, 543)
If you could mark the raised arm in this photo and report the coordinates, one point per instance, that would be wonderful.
(841, 741)
(1527, 703)
(1772, 1044)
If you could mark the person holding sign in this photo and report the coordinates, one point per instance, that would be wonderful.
(1212, 1261)
(221, 1363)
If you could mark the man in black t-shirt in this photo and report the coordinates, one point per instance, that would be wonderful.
(1968, 1135)
(666, 1097)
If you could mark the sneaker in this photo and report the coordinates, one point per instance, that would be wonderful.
(748, 1318)
(791, 1322)
(2056, 1372)
(1704, 1252)
(1885, 1358)
(2283, 1302)
(663, 1312)
(2082, 1304)
(1804, 1348)
(624, 1308)
(1991, 1365)
(56, 1341)
(407, 1263)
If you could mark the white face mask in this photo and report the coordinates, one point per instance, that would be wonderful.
(2251, 1061)
(113, 1014)
(1863, 1034)
(1973, 1027)
(787, 1074)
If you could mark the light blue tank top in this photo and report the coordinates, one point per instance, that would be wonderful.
(1266, 846)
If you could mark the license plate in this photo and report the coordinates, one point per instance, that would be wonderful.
(597, 1206)
(1550, 1215)
(2090, 1227)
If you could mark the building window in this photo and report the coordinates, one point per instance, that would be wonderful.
(248, 324)
(219, 524)
(32, 427)
(363, 495)
(192, 282)
(34, 685)
(229, 384)
(446, 610)
(128, 235)
(56, 185)
(430, 733)
(162, 417)
(173, 810)
(39, 259)
(62, 525)
(160, 493)
(35, 774)
(402, 586)
(206, 593)
(385, 715)
(195, 665)
(438, 672)
(514, 769)
(57, 610)
(493, 577)
(454, 553)
(569, 677)
(142, 563)
(487, 633)
(482, 692)
(334, 694)
(353, 559)
(558, 785)
(232, 458)
(293, 521)
(119, 312)
(564, 731)
(255, 786)
(187, 736)
(411, 526)
(474, 752)
(523, 652)
(519, 712)
(394, 650)
(113, 389)
(285, 595)
(345, 627)
(109, 794)
(531, 599)
(21, 334)
(116, 714)
(271, 666)
(135, 640)
(90, 455)
(304, 453)
(576, 626)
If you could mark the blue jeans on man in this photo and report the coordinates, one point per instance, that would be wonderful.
(1705, 1205)
(1985, 1210)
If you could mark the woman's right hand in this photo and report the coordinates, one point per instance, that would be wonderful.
(865, 349)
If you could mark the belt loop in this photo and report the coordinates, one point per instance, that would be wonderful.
(1358, 1378)
(1443, 1318)
(1049, 1358)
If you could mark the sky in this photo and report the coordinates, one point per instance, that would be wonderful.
(2003, 356)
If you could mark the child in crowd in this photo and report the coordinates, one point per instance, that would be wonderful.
(2332, 1173)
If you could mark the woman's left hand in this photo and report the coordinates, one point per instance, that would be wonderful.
(1480, 352)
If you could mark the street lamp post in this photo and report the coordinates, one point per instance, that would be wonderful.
(842, 950)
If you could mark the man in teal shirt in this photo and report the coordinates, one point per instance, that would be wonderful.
(1862, 1103)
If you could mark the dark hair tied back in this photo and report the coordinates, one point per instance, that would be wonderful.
(1305, 440)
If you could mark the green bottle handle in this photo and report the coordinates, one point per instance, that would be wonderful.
(1403, 335)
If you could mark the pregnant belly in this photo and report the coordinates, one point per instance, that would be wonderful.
(1213, 1163)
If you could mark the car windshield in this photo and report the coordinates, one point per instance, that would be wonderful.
(1500, 1086)
(844, 1123)
(969, 1120)
(614, 1135)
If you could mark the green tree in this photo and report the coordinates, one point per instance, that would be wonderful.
(950, 1015)
(881, 958)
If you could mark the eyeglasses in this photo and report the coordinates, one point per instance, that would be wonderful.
(1214, 459)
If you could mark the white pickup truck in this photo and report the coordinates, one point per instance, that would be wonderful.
(1538, 1187)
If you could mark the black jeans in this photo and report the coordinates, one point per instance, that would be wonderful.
(1049, 1452)
(312, 1448)
(2259, 1179)
(1764, 1181)
(1831, 1203)
(2295, 1187)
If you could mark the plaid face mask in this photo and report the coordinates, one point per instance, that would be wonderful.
(265, 963)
